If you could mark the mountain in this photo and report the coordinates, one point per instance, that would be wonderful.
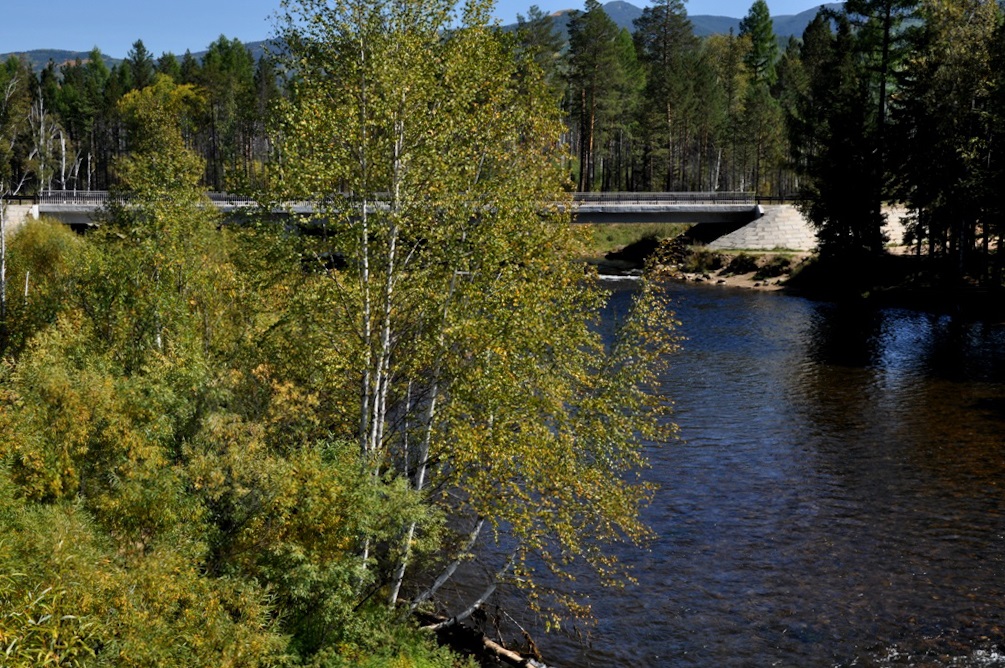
(625, 13)
(39, 58)
(622, 13)
(795, 24)
(706, 24)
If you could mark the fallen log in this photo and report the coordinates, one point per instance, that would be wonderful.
(454, 634)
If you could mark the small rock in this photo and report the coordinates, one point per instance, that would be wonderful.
(720, 281)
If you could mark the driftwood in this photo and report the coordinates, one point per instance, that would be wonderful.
(451, 632)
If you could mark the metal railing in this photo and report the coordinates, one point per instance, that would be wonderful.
(703, 198)
(101, 197)
(73, 197)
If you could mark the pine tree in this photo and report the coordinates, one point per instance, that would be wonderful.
(666, 45)
(595, 72)
(757, 25)
(835, 127)
(539, 37)
(944, 130)
(140, 65)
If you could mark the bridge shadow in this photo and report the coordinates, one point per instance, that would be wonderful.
(706, 233)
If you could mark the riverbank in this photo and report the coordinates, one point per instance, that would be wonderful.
(674, 257)
(896, 278)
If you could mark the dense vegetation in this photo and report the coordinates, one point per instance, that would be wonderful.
(246, 445)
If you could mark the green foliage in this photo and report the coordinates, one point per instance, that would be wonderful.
(538, 36)
(597, 72)
(166, 499)
(741, 264)
(668, 49)
(763, 127)
(228, 72)
(454, 345)
(33, 630)
(773, 268)
(389, 643)
(15, 99)
(837, 123)
(71, 598)
(601, 239)
(763, 52)
(946, 133)
(703, 261)
(42, 275)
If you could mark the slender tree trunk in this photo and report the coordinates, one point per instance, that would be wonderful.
(3, 274)
(668, 184)
(449, 571)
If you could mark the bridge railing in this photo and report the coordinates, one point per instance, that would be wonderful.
(98, 198)
(685, 198)
(101, 197)
(74, 197)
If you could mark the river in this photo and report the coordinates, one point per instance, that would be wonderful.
(837, 498)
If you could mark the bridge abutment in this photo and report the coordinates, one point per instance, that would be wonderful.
(16, 215)
(783, 227)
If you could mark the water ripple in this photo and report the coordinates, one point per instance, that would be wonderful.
(838, 498)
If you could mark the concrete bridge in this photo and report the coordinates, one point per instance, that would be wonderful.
(724, 221)
(78, 208)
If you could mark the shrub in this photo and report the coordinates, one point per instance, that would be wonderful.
(741, 264)
(703, 261)
(776, 266)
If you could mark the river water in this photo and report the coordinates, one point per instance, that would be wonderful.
(837, 499)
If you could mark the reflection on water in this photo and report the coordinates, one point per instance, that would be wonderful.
(838, 499)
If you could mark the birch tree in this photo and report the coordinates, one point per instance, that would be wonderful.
(452, 341)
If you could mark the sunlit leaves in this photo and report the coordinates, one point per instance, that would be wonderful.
(455, 342)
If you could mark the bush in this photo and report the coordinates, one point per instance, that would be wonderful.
(702, 261)
(46, 253)
(741, 264)
(776, 266)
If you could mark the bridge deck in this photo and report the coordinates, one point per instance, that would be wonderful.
(689, 207)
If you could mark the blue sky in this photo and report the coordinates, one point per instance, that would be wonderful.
(177, 25)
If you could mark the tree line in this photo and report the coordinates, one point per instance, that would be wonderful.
(63, 128)
(881, 101)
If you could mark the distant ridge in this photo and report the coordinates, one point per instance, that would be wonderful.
(621, 12)
(39, 58)
(625, 13)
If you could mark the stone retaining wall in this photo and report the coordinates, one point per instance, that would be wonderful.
(783, 227)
